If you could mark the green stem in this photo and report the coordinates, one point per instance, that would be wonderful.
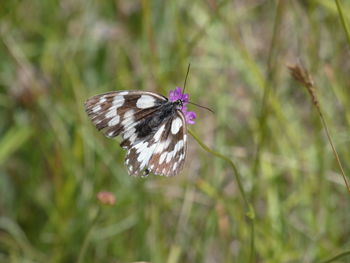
(271, 64)
(250, 210)
(219, 155)
(87, 238)
(343, 21)
(339, 256)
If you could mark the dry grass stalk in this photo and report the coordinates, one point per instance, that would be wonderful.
(301, 75)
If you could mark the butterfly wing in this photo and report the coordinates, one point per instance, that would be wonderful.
(119, 111)
(161, 153)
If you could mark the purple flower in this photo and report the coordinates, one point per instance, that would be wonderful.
(177, 94)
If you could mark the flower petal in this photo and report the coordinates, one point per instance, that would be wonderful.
(190, 116)
(177, 94)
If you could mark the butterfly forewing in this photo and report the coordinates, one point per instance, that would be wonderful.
(153, 131)
(116, 112)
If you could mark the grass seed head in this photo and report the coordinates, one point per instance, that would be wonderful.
(300, 74)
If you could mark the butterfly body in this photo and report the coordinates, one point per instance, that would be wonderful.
(151, 124)
(153, 129)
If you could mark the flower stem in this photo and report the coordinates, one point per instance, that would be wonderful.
(250, 210)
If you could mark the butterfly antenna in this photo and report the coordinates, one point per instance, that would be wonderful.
(188, 70)
(200, 106)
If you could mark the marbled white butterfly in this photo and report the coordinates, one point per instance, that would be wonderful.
(152, 126)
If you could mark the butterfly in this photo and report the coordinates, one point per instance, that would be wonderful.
(152, 126)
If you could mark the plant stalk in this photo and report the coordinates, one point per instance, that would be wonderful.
(250, 210)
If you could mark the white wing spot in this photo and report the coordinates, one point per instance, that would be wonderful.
(118, 101)
(169, 156)
(124, 93)
(178, 146)
(128, 118)
(145, 155)
(162, 146)
(129, 133)
(159, 133)
(174, 166)
(181, 157)
(162, 157)
(96, 108)
(111, 113)
(133, 138)
(145, 101)
(129, 123)
(140, 146)
(176, 125)
(103, 100)
(129, 113)
(114, 121)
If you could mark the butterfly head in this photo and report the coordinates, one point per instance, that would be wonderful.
(179, 104)
(180, 100)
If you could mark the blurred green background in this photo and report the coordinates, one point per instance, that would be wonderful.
(55, 54)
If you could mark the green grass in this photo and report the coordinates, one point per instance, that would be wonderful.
(56, 54)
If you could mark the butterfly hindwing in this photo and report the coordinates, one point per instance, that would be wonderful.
(163, 152)
(169, 156)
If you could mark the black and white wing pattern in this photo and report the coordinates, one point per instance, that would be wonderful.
(163, 152)
(153, 129)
